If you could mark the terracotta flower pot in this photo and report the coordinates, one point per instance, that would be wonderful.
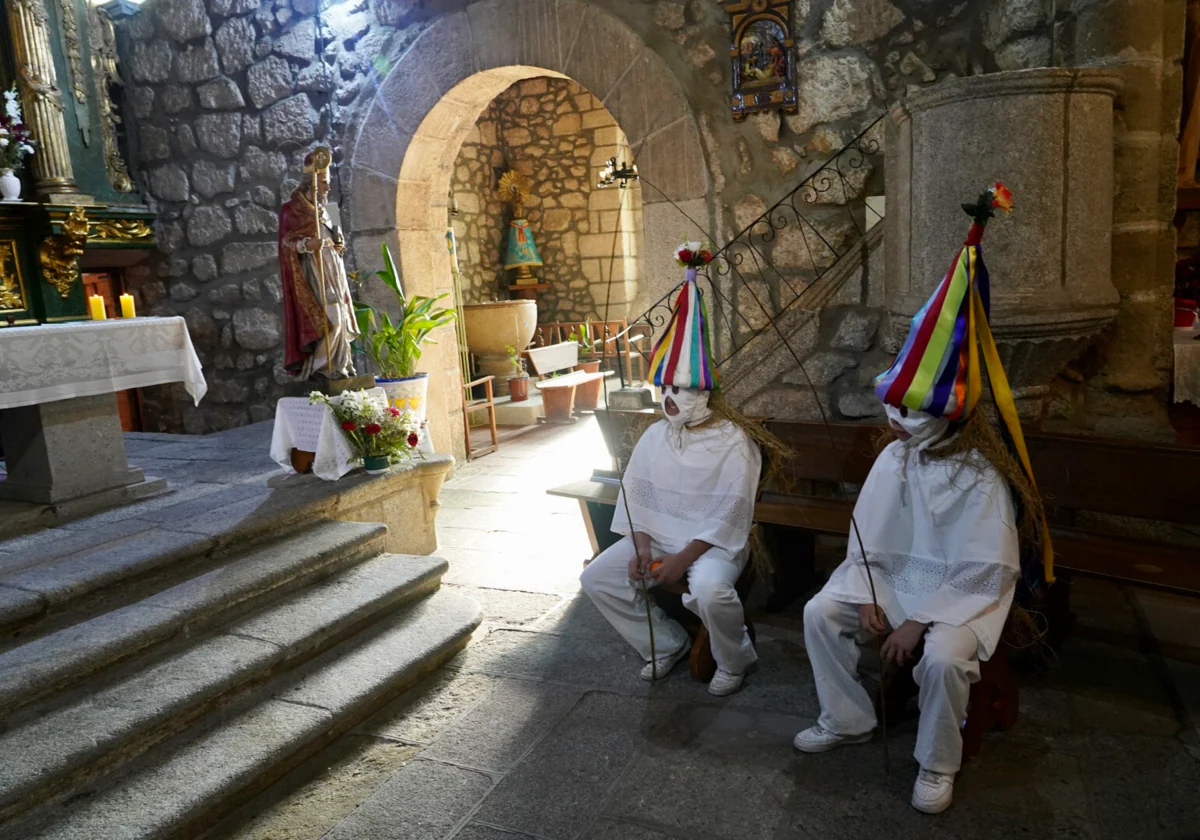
(518, 389)
(558, 403)
(587, 394)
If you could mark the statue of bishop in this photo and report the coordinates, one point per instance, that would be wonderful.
(313, 276)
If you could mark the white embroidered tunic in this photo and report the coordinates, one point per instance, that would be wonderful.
(941, 539)
(691, 484)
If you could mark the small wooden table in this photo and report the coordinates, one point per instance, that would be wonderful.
(598, 503)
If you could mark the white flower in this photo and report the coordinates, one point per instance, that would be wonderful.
(3, 142)
(3, 132)
(26, 148)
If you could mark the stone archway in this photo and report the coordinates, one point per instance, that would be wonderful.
(397, 172)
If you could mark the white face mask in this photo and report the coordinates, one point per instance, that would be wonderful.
(692, 404)
(923, 429)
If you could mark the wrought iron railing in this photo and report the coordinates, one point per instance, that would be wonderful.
(775, 263)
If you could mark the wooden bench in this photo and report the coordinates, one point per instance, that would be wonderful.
(578, 390)
(1082, 480)
(612, 341)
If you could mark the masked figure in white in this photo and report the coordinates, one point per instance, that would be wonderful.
(937, 523)
(685, 511)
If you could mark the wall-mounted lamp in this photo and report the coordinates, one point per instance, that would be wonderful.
(618, 174)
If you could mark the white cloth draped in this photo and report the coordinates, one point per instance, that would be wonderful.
(82, 359)
(692, 484)
(941, 539)
(310, 427)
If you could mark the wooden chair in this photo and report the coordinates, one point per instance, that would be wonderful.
(471, 403)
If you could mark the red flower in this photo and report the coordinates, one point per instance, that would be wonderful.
(372, 428)
(705, 257)
(395, 412)
(413, 440)
(349, 426)
(1002, 197)
(685, 256)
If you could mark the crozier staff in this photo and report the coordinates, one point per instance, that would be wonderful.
(313, 278)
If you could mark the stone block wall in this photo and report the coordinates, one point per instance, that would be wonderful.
(225, 98)
(558, 135)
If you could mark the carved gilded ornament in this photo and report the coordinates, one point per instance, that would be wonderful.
(70, 33)
(60, 254)
(119, 230)
(12, 286)
(105, 74)
(515, 189)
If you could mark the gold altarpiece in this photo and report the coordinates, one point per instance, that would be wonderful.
(79, 203)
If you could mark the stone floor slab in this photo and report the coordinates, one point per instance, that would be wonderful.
(422, 801)
(507, 606)
(506, 724)
(592, 663)
(560, 786)
(56, 543)
(420, 715)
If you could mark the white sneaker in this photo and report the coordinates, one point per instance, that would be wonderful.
(817, 739)
(933, 791)
(724, 683)
(663, 665)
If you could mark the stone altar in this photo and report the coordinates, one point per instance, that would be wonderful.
(1047, 134)
(58, 414)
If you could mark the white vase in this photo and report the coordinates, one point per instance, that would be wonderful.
(409, 394)
(10, 186)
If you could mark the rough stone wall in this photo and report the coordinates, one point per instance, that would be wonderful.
(559, 135)
(226, 98)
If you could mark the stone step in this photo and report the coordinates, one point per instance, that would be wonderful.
(44, 665)
(76, 743)
(183, 787)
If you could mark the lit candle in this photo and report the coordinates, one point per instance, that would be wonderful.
(96, 307)
(127, 306)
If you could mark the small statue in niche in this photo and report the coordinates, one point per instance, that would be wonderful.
(522, 253)
(314, 281)
(762, 50)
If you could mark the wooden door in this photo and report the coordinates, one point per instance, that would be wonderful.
(109, 287)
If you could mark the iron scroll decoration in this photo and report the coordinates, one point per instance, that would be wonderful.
(763, 54)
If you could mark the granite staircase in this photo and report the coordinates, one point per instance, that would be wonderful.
(154, 704)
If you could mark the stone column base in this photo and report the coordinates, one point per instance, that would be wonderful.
(64, 450)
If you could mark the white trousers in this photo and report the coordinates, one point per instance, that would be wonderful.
(712, 597)
(944, 675)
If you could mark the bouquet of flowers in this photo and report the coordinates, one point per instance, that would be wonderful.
(375, 429)
(15, 140)
(693, 255)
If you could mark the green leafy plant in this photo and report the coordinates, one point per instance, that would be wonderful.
(583, 337)
(517, 361)
(394, 347)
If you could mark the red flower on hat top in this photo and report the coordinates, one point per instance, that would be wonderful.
(413, 440)
(349, 426)
(1002, 197)
(372, 428)
(692, 255)
(392, 410)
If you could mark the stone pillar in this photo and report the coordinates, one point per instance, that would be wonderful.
(64, 450)
(42, 102)
(1047, 134)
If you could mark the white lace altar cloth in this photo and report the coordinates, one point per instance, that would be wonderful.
(302, 425)
(62, 361)
(1187, 366)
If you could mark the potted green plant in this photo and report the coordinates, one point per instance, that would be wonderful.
(518, 386)
(394, 347)
(583, 337)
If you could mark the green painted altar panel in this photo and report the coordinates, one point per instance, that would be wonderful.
(87, 159)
